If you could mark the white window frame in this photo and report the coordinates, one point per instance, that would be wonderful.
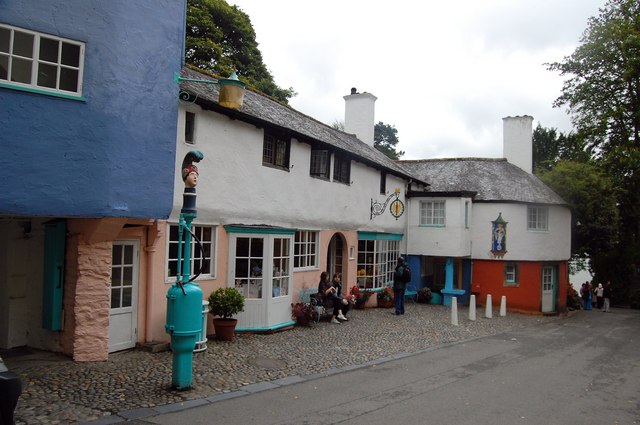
(37, 63)
(273, 268)
(377, 259)
(537, 218)
(306, 250)
(510, 274)
(433, 213)
(171, 258)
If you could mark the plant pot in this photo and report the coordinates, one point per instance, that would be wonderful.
(385, 303)
(359, 303)
(225, 328)
(303, 320)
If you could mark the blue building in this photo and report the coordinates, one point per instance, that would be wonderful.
(87, 164)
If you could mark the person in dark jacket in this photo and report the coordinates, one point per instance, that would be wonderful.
(331, 300)
(399, 285)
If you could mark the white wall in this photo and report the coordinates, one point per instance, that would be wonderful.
(552, 245)
(452, 240)
(235, 188)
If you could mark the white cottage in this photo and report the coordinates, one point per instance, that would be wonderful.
(281, 198)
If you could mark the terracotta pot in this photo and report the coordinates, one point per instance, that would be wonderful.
(385, 303)
(225, 328)
(302, 320)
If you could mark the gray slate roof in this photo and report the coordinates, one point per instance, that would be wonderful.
(263, 111)
(493, 180)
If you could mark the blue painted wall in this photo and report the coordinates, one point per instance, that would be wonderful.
(113, 154)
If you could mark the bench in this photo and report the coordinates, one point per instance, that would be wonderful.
(308, 295)
(411, 292)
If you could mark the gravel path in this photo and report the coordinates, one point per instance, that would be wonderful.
(59, 391)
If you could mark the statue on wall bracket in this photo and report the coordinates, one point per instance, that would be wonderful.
(499, 237)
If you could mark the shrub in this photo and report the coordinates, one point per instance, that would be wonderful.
(226, 302)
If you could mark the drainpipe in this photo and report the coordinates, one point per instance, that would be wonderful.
(153, 232)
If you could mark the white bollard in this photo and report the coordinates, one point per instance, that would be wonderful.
(454, 311)
(488, 312)
(503, 306)
(472, 308)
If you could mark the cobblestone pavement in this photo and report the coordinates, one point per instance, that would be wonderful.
(58, 391)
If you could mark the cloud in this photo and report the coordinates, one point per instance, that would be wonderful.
(445, 73)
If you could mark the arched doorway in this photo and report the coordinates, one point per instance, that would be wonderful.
(336, 255)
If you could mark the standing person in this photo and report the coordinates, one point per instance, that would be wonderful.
(607, 297)
(589, 292)
(329, 298)
(583, 295)
(401, 276)
(599, 296)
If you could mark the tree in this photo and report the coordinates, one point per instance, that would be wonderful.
(385, 139)
(549, 148)
(592, 198)
(602, 94)
(603, 91)
(220, 39)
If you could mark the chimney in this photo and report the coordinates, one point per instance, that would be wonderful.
(359, 116)
(517, 144)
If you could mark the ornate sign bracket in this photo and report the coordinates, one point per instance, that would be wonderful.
(396, 209)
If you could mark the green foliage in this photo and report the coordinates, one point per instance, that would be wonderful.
(220, 39)
(603, 91)
(424, 295)
(385, 139)
(226, 302)
(591, 195)
(602, 94)
(549, 147)
(386, 294)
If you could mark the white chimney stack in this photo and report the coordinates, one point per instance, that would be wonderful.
(359, 115)
(517, 144)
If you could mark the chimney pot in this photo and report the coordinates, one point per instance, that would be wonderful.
(353, 90)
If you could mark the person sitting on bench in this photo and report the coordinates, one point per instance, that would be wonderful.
(330, 298)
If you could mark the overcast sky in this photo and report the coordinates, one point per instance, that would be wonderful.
(445, 72)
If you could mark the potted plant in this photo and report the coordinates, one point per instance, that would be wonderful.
(225, 303)
(304, 313)
(385, 297)
(424, 295)
(359, 296)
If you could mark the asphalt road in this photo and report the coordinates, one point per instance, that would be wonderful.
(584, 369)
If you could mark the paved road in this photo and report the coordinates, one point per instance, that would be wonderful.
(582, 370)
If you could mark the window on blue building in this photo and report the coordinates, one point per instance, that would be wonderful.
(40, 62)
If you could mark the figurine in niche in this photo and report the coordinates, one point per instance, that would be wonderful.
(499, 237)
(190, 176)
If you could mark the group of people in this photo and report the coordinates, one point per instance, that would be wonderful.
(330, 292)
(601, 293)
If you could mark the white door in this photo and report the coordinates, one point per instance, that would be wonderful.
(548, 289)
(124, 296)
